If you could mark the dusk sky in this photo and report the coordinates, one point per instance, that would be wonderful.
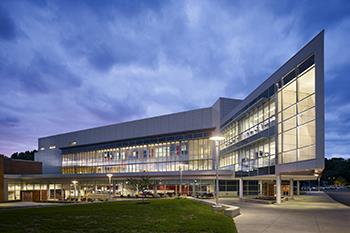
(71, 65)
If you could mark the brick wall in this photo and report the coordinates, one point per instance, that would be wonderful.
(1, 178)
(12, 166)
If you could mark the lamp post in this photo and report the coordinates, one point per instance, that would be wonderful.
(318, 181)
(180, 181)
(217, 140)
(110, 184)
(75, 182)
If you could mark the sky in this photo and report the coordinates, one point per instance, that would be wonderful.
(71, 65)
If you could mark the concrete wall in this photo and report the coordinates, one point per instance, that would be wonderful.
(2, 182)
(173, 123)
(51, 160)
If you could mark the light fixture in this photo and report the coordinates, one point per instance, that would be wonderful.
(217, 138)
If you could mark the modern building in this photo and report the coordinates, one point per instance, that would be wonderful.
(273, 139)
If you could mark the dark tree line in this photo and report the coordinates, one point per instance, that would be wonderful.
(337, 170)
(27, 155)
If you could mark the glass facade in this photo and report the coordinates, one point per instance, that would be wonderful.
(296, 118)
(167, 156)
(250, 158)
(249, 145)
(254, 121)
(282, 118)
(14, 192)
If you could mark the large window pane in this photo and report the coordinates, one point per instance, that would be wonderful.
(290, 156)
(307, 153)
(289, 112)
(306, 103)
(306, 83)
(289, 95)
(289, 140)
(289, 124)
(306, 116)
(306, 134)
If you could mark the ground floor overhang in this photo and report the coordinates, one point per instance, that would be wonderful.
(283, 177)
(174, 175)
(203, 175)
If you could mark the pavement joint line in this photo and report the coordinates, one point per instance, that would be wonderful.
(279, 216)
(317, 224)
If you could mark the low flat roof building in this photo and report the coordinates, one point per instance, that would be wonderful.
(273, 137)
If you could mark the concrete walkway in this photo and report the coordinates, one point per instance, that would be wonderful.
(315, 212)
(24, 204)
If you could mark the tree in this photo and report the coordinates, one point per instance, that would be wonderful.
(27, 155)
(336, 168)
(141, 184)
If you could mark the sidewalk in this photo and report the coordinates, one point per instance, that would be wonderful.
(312, 213)
(24, 204)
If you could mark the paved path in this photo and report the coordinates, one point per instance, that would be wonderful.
(24, 204)
(343, 196)
(315, 212)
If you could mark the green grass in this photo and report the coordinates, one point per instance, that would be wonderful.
(169, 215)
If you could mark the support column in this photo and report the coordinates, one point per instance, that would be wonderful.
(240, 188)
(54, 191)
(123, 186)
(298, 187)
(260, 188)
(113, 183)
(155, 188)
(194, 189)
(79, 192)
(278, 189)
(291, 188)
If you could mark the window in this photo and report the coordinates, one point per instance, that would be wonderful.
(307, 153)
(289, 95)
(289, 140)
(306, 83)
(289, 124)
(306, 116)
(306, 134)
(289, 156)
(306, 103)
(297, 114)
(289, 112)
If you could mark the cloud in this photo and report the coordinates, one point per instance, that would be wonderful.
(73, 65)
(8, 30)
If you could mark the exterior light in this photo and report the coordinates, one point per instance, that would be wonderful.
(109, 175)
(75, 182)
(217, 139)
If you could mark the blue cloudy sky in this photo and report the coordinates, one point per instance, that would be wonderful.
(70, 65)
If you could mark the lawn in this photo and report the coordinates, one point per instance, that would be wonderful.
(168, 215)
